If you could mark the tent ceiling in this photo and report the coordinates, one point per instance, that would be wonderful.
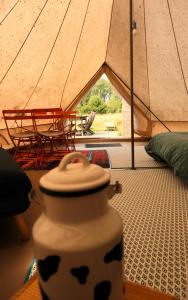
(51, 49)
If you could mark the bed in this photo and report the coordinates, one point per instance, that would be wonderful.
(171, 147)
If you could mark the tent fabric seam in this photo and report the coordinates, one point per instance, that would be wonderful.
(109, 29)
(146, 51)
(48, 58)
(121, 80)
(177, 48)
(25, 40)
(75, 52)
(75, 99)
(7, 14)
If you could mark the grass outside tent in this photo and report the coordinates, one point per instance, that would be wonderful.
(101, 120)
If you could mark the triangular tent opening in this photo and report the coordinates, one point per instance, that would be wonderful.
(142, 122)
(107, 104)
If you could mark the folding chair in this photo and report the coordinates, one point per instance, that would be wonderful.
(20, 127)
(69, 121)
(48, 123)
(85, 128)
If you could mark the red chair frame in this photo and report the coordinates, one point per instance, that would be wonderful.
(54, 139)
(22, 135)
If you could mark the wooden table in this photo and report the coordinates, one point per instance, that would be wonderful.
(110, 126)
(132, 291)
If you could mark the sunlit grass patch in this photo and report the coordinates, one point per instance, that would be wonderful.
(100, 120)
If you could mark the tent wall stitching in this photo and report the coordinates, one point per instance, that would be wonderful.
(52, 48)
(177, 48)
(126, 85)
(74, 53)
(1, 22)
(131, 81)
(88, 84)
(23, 43)
(146, 50)
(139, 99)
(109, 29)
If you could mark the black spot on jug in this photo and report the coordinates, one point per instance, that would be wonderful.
(102, 290)
(115, 254)
(48, 266)
(80, 273)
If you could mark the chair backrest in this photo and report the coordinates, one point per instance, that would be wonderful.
(46, 118)
(18, 120)
(90, 120)
(42, 113)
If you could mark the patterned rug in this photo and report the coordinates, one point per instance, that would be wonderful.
(98, 157)
(154, 209)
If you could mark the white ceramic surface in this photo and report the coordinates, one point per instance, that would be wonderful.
(74, 177)
(78, 242)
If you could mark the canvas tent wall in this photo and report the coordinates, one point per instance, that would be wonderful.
(53, 51)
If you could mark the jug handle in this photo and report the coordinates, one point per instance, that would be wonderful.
(67, 159)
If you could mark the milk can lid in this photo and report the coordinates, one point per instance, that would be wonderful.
(74, 178)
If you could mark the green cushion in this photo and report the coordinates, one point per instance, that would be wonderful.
(171, 147)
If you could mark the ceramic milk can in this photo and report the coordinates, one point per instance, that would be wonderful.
(78, 238)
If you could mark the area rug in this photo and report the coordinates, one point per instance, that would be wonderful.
(102, 145)
(154, 209)
(121, 158)
(153, 206)
(98, 157)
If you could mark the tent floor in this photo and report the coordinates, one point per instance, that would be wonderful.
(153, 206)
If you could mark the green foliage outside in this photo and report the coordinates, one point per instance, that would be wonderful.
(102, 99)
(114, 105)
(96, 104)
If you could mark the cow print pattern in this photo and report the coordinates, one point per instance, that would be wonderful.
(48, 266)
(115, 254)
(43, 294)
(80, 273)
(102, 290)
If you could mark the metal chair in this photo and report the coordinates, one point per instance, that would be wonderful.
(49, 126)
(69, 122)
(20, 127)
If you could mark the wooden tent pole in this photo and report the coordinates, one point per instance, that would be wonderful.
(132, 83)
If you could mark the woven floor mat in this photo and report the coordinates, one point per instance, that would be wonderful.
(154, 206)
(121, 158)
